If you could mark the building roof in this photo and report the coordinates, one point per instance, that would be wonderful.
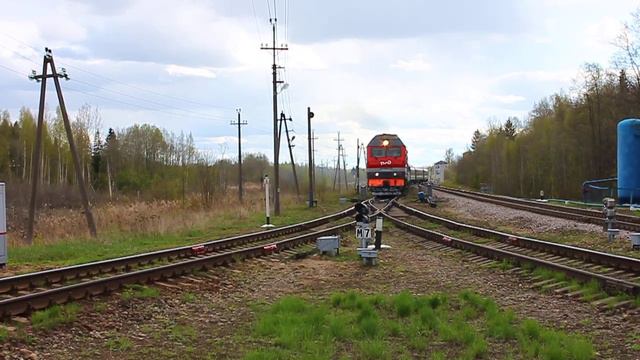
(441, 162)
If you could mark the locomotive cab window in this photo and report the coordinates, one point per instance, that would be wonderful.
(394, 151)
(377, 152)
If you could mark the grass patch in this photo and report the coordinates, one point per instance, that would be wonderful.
(137, 291)
(119, 343)
(189, 297)
(99, 307)
(354, 325)
(183, 333)
(54, 316)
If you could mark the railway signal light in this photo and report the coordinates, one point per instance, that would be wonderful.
(362, 213)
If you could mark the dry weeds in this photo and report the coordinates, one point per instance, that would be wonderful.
(136, 217)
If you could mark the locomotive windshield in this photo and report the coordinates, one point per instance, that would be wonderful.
(377, 152)
(382, 152)
(394, 151)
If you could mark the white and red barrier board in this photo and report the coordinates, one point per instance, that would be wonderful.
(3, 226)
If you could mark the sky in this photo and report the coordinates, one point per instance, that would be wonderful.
(429, 71)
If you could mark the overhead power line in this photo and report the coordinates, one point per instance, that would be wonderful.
(161, 105)
(139, 88)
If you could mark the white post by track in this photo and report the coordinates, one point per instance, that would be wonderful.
(266, 200)
(3, 227)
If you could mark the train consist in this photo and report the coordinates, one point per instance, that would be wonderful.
(387, 165)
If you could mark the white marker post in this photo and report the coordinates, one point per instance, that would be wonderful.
(266, 200)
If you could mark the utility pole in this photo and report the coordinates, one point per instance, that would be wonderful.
(358, 166)
(276, 139)
(344, 167)
(291, 146)
(35, 163)
(337, 172)
(239, 123)
(313, 160)
(310, 146)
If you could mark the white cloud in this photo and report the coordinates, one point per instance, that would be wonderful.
(539, 75)
(417, 63)
(360, 85)
(178, 70)
(508, 99)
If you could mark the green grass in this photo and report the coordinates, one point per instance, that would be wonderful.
(119, 343)
(353, 325)
(4, 334)
(183, 333)
(54, 316)
(111, 245)
(136, 291)
(99, 307)
(189, 297)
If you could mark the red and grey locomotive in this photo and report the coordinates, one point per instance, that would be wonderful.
(386, 165)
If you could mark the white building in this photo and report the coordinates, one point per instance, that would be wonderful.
(436, 175)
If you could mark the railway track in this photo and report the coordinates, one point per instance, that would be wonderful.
(624, 222)
(34, 291)
(615, 274)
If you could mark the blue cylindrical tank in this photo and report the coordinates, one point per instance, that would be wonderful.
(629, 161)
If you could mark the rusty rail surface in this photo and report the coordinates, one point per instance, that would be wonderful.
(624, 222)
(610, 284)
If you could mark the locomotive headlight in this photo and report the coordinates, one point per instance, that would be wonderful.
(377, 174)
(385, 142)
(395, 174)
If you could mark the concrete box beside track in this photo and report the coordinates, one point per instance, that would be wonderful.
(328, 245)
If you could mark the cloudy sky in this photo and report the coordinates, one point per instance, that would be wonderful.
(430, 71)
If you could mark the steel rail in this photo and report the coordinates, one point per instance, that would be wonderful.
(579, 211)
(630, 223)
(56, 275)
(574, 252)
(39, 300)
(607, 283)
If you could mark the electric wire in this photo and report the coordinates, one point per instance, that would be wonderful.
(66, 64)
(145, 100)
(255, 17)
(261, 130)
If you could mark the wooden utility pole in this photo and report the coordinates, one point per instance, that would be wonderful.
(344, 167)
(276, 137)
(35, 168)
(239, 123)
(358, 166)
(337, 172)
(313, 160)
(284, 119)
(311, 165)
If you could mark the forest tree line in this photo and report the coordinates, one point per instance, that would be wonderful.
(141, 161)
(566, 139)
